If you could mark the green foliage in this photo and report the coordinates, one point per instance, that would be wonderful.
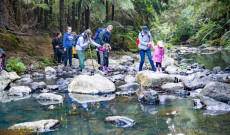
(45, 62)
(15, 64)
(94, 53)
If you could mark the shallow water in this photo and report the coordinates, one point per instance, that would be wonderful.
(220, 58)
(89, 118)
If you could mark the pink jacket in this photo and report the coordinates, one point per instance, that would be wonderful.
(158, 53)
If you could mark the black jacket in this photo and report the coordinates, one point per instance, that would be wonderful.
(106, 54)
(57, 42)
(104, 37)
(4, 57)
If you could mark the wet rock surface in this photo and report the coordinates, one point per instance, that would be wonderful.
(120, 121)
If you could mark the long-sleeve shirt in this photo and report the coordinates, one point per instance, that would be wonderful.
(67, 40)
(158, 54)
(144, 39)
(82, 43)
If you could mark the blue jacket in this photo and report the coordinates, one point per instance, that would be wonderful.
(67, 40)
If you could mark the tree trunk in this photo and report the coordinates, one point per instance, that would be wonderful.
(61, 15)
(79, 17)
(73, 16)
(68, 16)
(51, 10)
(46, 16)
(107, 10)
(87, 18)
(112, 12)
(82, 21)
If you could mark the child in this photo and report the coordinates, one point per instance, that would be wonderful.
(67, 43)
(158, 55)
(106, 47)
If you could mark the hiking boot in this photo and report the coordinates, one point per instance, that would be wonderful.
(108, 69)
(103, 68)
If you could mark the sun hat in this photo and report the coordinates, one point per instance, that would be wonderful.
(160, 43)
(145, 28)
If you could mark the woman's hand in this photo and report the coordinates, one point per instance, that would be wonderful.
(57, 46)
(64, 49)
(88, 42)
(99, 46)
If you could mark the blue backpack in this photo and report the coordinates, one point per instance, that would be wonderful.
(98, 32)
(75, 40)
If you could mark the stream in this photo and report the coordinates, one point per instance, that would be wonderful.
(88, 118)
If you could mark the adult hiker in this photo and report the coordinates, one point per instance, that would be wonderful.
(145, 40)
(67, 43)
(103, 38)
(58, 48)
(2, 59)
(83, 42)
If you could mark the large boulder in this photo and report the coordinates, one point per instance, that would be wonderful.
(50, 71)
(167, 61)
(49, 98)
(149, 97)
(4, 97)
(91, 84)
(196, 81)
(126, 60)
(120, 121)
(209, 50)
(6, 78)
(88, 62)
(37, 126)
(152, 79)
(84, 98)
(173, 87)
(19, 91)
(218, 91)
(172, 69)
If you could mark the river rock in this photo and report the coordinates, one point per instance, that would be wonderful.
(84, 98)
(4, 97)
(116, 78)
(37, 126)
(217, 69)
(95, 84)
(172, 69)
(52, 87)
(120, 121)
(19, 91)
(37, 75)
(167, 61)
(208, 50)
(211, 106)
(50, 71)
(126, 60)
(38, 85)
(173, 87)
(130, 87)
(195, 81)
(130, 79)
(204, 46)
(25, 81)
(153, 79)
(149, 97)
(49, 98)
(63, 84)
(6, 78)
(88, 62)
(151, 109)
(218, 91)
(227, 69)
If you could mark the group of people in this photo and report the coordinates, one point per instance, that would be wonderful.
(65, 48)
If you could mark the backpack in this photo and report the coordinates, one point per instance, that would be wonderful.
(138, 41)
(98, 32)
(75, 40)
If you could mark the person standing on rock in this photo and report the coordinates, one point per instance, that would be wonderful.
(67, 43)
(58, 48)
(83, 41)
(103, 38)
(145, 41)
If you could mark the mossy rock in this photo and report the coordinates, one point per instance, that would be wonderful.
(16, 132)
(10, 42)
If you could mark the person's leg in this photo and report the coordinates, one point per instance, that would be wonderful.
(157, 66)
(148, 52)
(98, 57)
(66, 57)
(160, 68)
(101, 58)
(59, 55)
(81, 59)
(70, 56)
(142, 55)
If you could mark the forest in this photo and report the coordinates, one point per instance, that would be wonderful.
(176, 22)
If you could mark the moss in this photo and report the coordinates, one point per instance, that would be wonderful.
(16, 132)
(10, 41)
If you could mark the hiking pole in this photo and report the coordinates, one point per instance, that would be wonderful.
(91, 53)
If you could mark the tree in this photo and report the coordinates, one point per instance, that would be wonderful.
(62, 15)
